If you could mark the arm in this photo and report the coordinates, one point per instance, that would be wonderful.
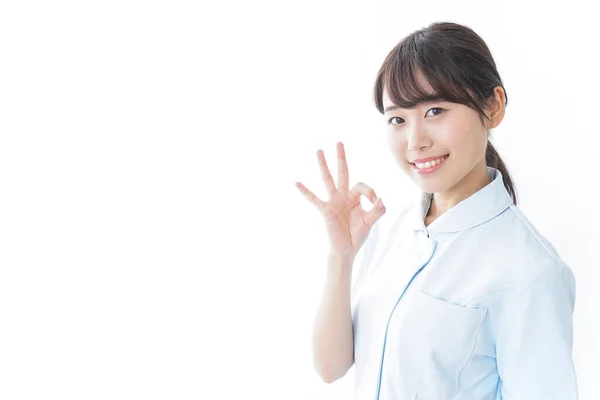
(534, 348)
(333, 339)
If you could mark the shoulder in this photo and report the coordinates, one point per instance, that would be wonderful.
(520, 252)
(529, 230)
(551, 272)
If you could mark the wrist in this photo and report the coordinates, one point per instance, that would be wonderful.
(340, 261)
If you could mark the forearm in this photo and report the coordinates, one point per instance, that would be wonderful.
(333, 339)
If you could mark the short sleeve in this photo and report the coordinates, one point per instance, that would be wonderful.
(534, 347)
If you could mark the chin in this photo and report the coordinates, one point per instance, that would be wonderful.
(435, 185)
(431, 188)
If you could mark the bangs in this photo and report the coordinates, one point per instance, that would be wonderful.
(414, 74)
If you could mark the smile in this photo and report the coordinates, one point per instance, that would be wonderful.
(429, 166)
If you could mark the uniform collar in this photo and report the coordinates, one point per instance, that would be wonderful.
(476, 209)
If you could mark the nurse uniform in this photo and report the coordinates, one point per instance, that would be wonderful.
(477, 305)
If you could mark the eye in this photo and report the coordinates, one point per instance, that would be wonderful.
(394, 121)
(436, 108)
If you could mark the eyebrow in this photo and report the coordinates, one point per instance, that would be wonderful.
(390, 108)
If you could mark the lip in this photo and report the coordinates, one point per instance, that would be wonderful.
(430, 169)
(423, 160)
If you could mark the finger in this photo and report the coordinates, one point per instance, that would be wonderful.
(320, 204)
(365, 190)
(325, 174)
(374, 213)
(343, 178)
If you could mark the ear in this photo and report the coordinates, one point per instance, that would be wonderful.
(496, 108)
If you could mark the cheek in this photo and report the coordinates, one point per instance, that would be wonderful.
(450, 134)
(456, 137)
(398, 147)
(466, 134)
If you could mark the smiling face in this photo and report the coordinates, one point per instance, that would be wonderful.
(440, 129)
(436, 129)
(444, 79)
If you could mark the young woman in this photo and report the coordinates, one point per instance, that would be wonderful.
(459, 297)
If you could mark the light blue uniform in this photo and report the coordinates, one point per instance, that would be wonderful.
(478, 305)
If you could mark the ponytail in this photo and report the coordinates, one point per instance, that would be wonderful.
(493, 159)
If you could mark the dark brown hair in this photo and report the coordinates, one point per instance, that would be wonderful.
(459, 67)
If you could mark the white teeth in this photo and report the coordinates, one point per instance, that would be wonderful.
(430, 164)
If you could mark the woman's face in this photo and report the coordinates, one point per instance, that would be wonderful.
(450, 131)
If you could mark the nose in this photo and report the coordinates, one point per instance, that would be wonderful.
(417, 138)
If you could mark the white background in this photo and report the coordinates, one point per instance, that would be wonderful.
(152, 242)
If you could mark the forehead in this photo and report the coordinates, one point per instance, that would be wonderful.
(388, 103)
(421, 84)
(385, 98)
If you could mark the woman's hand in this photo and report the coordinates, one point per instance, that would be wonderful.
(348, 225)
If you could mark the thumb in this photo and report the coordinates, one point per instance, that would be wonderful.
(375, 213)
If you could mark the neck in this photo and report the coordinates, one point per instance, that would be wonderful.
(477, 179)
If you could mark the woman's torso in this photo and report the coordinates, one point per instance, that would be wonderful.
(428, 310)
